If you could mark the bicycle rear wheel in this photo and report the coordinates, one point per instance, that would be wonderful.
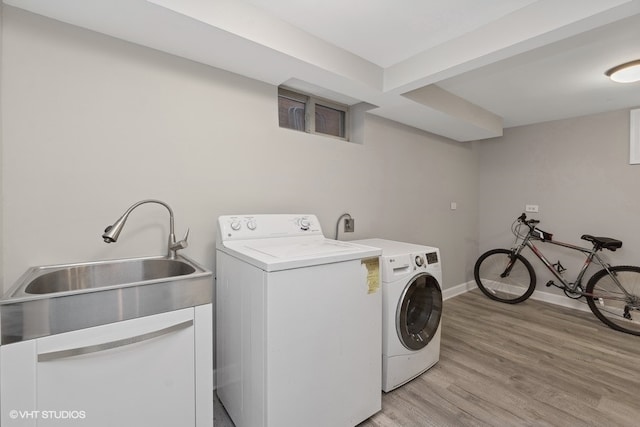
(504, 277)
(617, 305)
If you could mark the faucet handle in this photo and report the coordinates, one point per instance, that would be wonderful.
(182, 243)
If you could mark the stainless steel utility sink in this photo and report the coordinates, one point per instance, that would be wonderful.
(53, 299)
(96, 275)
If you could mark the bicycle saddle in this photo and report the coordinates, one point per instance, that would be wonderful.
(603, 242)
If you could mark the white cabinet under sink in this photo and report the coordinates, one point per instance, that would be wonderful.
(150, 371)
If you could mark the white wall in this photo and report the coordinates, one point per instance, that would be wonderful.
(93, 124)
(1, 136)
(577, 171)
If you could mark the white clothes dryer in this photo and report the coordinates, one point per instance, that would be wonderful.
(298, 324)
(411, 309)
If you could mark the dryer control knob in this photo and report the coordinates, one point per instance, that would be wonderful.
(251, 224)
(419, 261)
(304, 224)
(235, 225)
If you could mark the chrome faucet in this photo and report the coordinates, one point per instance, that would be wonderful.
(112, 232)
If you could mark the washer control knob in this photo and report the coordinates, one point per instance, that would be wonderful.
(419, 261)
(251, 224)
(304, 223)
(235, 225)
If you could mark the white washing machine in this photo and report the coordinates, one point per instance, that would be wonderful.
(411, 309)
(298, 324)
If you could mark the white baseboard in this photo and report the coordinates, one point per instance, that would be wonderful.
(562, 300)
(458, 290)
(556, 299)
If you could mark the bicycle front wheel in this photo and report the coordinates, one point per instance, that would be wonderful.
(504, 276)
(615, 298)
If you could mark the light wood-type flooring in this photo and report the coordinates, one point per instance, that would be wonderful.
(528, 364)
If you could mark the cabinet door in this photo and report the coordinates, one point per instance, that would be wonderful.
(17, 380)
(132, 373)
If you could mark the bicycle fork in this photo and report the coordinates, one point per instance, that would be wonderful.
(512, 260)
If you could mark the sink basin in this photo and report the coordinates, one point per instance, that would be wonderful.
(79, 277)
(48, 300)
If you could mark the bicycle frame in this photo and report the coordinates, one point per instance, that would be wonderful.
(591, 254)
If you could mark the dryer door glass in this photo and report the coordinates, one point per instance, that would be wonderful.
(419, 311)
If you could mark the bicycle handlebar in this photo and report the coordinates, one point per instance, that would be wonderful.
(534, 231)
(523, 218)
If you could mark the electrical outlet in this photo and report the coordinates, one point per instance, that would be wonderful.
(531, 208)
(349, 225)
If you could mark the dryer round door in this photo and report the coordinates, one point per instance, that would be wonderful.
(419, 311)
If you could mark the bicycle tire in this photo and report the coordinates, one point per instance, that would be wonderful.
(512, 289)
(609, 304)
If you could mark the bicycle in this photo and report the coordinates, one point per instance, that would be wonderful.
(613, 293)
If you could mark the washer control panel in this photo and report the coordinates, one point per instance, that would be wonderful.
(425, 259)
(243, 227)
(432, 258)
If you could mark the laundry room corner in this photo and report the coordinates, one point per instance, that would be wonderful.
(279, 213)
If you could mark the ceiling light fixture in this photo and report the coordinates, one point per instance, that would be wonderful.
(628, 72)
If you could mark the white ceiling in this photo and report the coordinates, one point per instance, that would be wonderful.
(463, 69)
(386, 32)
